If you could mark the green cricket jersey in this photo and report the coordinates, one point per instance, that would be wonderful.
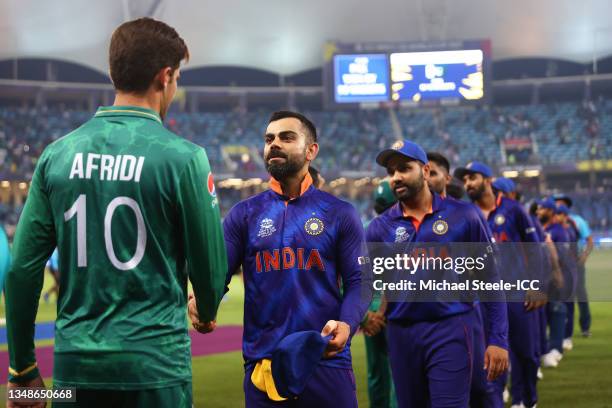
(133, 211)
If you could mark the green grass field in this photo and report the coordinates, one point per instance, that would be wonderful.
(581, 380)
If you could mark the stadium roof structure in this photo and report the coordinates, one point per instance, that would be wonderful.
(286, 37)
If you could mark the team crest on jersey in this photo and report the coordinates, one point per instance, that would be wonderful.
(266, 228)
(499, 219)
(314, 226)
(440, 227)
(211, 185)
(401, 235)
(398, 145)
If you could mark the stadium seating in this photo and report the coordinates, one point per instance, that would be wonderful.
(563, 132)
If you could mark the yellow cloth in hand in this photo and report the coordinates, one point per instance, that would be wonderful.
(263, 381)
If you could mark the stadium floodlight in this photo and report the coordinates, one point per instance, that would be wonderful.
(511, 173)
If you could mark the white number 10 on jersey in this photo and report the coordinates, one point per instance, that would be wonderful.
(80, 209)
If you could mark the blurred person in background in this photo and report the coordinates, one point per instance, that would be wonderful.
(381, 391)
(5, 257)
(585, 247)
(439, 175)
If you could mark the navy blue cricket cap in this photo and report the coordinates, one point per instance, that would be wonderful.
(547, 203)
(472, 168)
(563, 197)
(404, 148)
(504, 184)
(295, 359)
(562, 209)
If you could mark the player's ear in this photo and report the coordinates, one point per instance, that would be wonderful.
(163, 78)
(426, 170)
(311, 151)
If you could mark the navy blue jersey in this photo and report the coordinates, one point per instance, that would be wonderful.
(509, 222)
(573, 236)
(538, 227)
(567, 261)
(546, 260)
(296, 255)
(450, 221)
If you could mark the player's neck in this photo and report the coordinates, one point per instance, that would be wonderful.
(420, 205)
(487, 202)
(146, 100)
(292, 185)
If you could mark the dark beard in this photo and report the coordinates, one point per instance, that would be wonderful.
(436, 188)
(544, 219)
(289, 168)
(477, 193)
(412, 189)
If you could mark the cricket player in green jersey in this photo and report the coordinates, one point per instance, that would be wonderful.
(133, 211)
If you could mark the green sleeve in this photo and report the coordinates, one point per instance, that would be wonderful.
(34, 242)
(202, 235)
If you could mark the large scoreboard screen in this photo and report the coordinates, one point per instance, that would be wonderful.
(419, 76)
(415, 74)
(361, 78)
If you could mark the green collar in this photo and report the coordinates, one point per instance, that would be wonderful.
(136, 111)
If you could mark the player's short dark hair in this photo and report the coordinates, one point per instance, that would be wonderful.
(565, 200)
(139, 49)
(455, 189)
(439, 159)
(310, 127)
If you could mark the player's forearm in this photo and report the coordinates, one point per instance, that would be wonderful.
(497, 323)
(234, 259)
(588, 249)
(554, 256)
(354, 305)
(22, 292)
(208, 276)
(202, 235)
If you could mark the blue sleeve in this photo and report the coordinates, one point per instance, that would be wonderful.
(350, 247)
(235, 238)
(5, 257)
(372, 231)
(534, 253)
(583, 226)
(525, 226)
(497, 311)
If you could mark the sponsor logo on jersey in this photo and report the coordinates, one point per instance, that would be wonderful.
(401, 235)
(211, 185)
(440, 227)
(266, 228)
(314, 226)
